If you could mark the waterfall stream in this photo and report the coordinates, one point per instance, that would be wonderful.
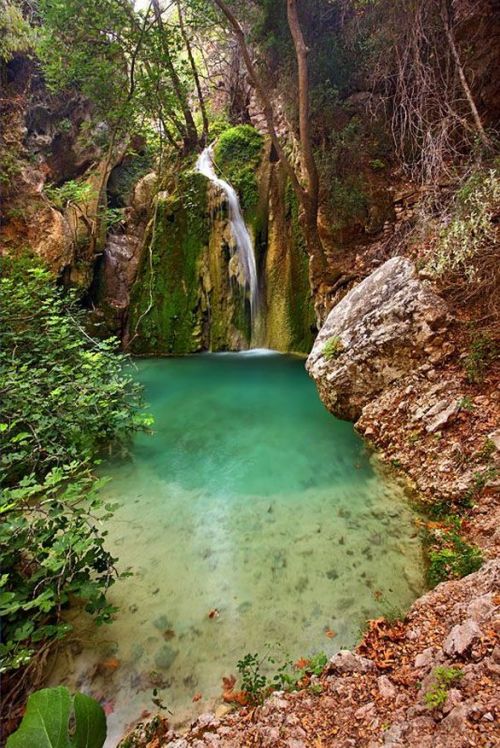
(241, 235)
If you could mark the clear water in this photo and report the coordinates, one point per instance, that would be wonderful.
(249, 499)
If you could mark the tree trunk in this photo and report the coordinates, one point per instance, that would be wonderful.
(191, 137)
(194, 70)
(445, 17)
(308, 197)
(301, 53)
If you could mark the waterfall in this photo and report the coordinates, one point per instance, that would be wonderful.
(241, 235)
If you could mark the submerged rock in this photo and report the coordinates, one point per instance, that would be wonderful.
(380, 331)
(165, 657)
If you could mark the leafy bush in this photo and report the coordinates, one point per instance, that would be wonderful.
(445, 677)
(238, 153)
(471, 227)
(65, 398)
(288, 676)
(482, 352)
(332, 348)
(15, 33)
(69, 192)
(55, 719)
(452, 558)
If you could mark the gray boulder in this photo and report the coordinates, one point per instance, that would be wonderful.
(380, 331)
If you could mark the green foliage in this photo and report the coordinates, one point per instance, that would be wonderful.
(65, 399)
(444, 677)
(482, 352)
(332, 348)
(452, 558)
(466, 404)
(71, 192)
(471, 228)
(377, 164)
(487, 450)
(10, 165)
(238, 154)
(15, 33)
(287, 676)
(55, 719)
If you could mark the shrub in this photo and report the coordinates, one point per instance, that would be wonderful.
(65, 399)
(287, 677)
(15, 33)
(482, 352)
(445, 677)
(69, 192)
(471, 227)
(452, 558)
(332, 348)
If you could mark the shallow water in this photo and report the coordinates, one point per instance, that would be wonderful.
(249, 499)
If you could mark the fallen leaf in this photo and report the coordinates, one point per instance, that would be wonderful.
(228, 683)
(196, 697)
(108, 706)
(214, 613)
(109, 665)
(302, 663)
(330, 634)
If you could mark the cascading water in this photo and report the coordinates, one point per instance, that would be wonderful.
(242, 238)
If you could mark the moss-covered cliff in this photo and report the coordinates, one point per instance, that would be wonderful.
(189, 294)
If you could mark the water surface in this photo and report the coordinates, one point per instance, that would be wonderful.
(252, 501)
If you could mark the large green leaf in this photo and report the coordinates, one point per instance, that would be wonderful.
(47, 718)
(45, 724)
(90, 722)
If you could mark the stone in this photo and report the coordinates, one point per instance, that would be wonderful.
(165, 657)
(481, 608)
(143, 192)
(348, 662)
(453, 698)
(380, 328)
(386, 687)
(461, 638)
(495, 438)
(223, 709)
(441, 414)
(395, 734)
(426, 658)
(455, 721)
(366, 711)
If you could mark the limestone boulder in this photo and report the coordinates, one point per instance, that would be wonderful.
(382, 330)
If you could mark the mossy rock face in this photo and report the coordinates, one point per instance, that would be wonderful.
(165, 312)
(238, 154)
(290, 315)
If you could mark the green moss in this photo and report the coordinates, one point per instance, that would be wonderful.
(332, 348)
(238, 154)
(299, 298)
(169, 273)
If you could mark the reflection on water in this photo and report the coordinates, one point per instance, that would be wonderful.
(252, 503)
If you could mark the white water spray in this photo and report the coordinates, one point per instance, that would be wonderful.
(242, 238)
